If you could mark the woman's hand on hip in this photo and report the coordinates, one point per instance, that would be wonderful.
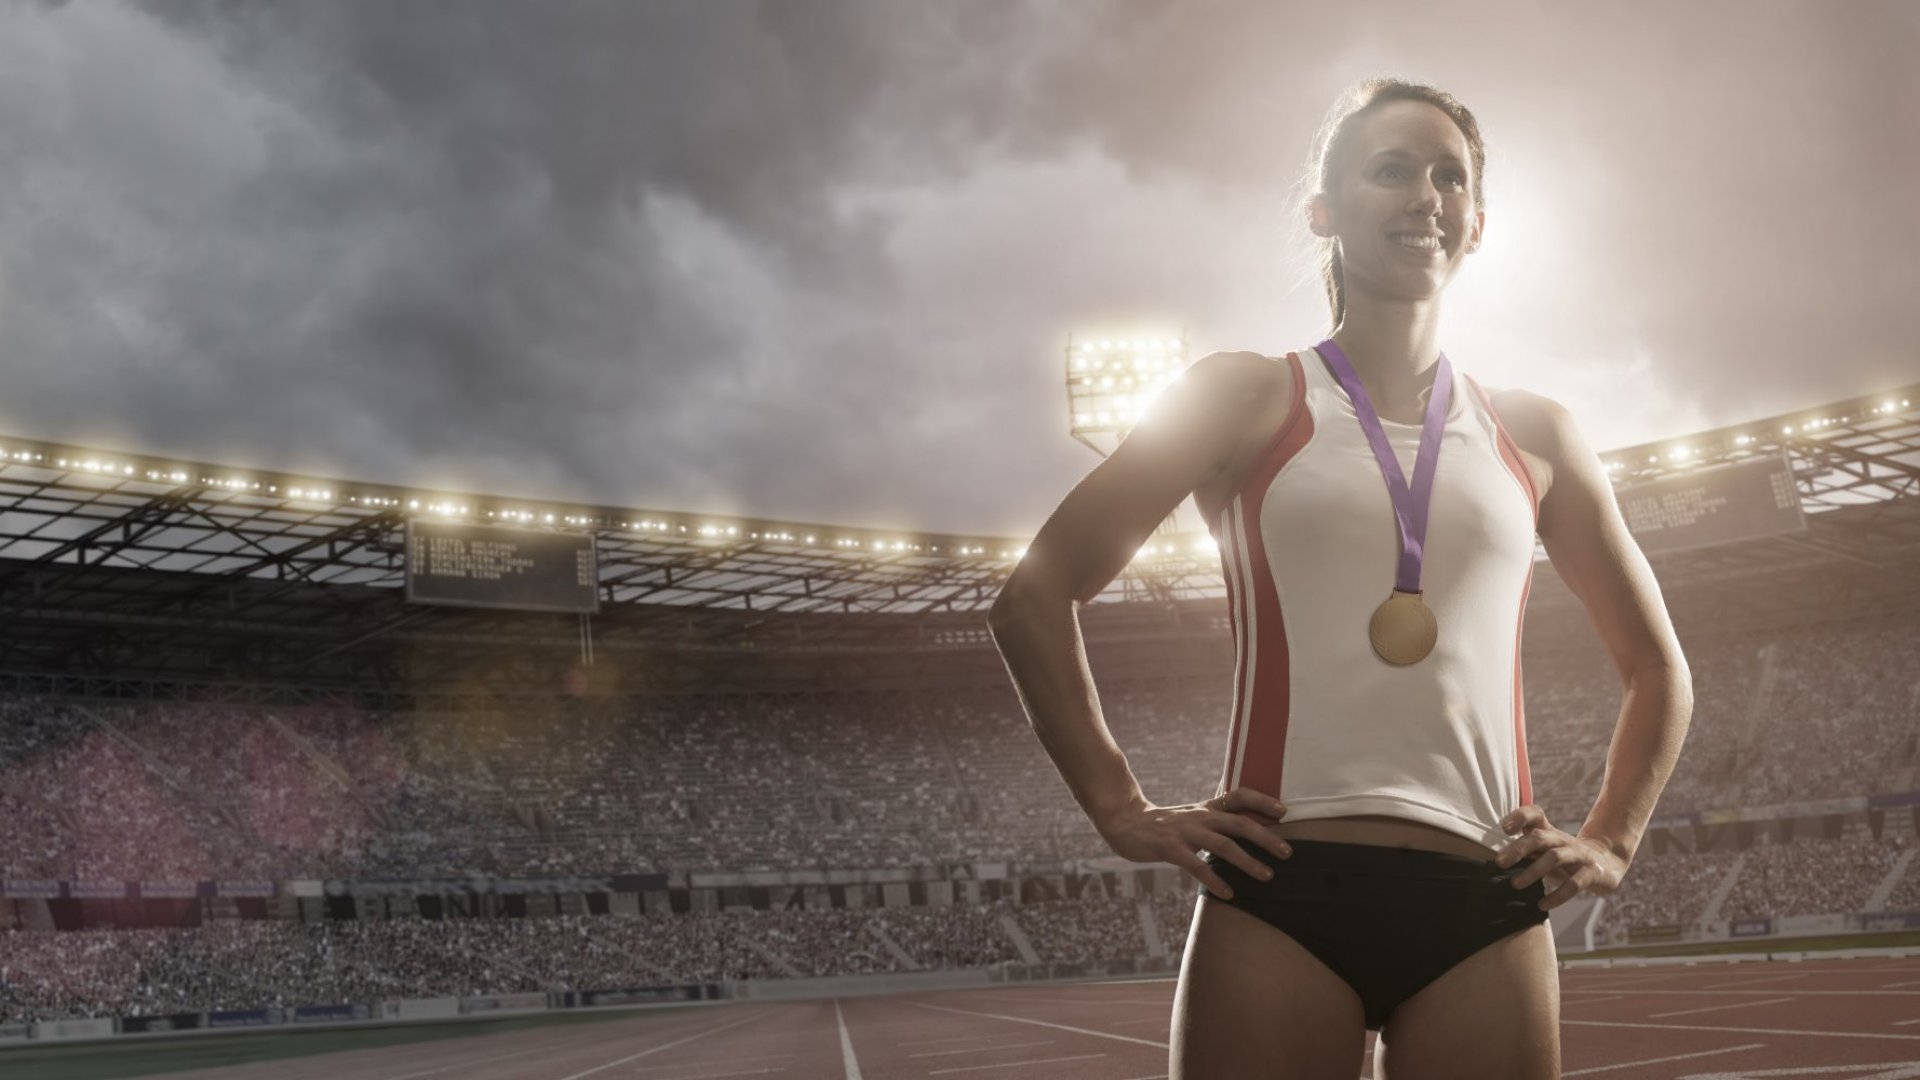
(1569, 864)
(1171, 834)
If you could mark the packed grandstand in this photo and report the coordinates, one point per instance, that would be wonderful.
(174, 844)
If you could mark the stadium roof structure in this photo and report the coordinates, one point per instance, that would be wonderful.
(122, 565)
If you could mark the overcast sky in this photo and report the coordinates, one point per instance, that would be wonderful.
(818, 261)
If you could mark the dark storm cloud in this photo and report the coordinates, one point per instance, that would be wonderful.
(552, 238)
(817, 260)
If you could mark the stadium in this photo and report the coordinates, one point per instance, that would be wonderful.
(321, 761)
(537, 542)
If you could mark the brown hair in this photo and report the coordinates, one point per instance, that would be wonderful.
(1330, 145)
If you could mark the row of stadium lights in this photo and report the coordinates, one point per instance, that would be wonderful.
(454, 509)
(1201, 547)
(1818, 423)
(1139, 354)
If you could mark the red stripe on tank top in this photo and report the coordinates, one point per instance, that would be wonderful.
(1510, 455)
(1261, 703)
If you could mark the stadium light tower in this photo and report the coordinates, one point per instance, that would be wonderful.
(1112, 380)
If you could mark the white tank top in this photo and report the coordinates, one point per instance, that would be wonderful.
(1309, 545)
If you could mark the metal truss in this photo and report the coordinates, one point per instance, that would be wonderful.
(114, 562)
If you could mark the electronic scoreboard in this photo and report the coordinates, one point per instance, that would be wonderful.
(1718, 505)
(493, 566)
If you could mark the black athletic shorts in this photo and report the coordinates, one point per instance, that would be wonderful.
(1388, 920)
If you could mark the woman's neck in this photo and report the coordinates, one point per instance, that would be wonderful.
(1393, 346)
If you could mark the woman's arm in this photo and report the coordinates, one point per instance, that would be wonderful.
(1588, 542)
(1096, 530)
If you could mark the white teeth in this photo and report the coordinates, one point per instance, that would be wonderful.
(1429, 243)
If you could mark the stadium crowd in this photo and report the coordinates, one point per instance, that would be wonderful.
(255, 963)
(188, 792)
(856, 779)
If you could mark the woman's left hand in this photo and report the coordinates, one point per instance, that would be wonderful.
(1570, 864)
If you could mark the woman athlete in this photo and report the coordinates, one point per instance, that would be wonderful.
(1374, 861)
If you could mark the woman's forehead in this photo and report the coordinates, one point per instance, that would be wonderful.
(1413, 127)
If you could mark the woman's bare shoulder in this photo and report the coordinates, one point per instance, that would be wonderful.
(1244, 369)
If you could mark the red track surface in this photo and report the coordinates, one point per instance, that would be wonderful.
(1853, 1019)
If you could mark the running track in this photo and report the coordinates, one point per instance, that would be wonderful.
(1835, 1019)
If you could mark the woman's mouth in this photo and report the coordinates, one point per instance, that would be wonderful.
(1419, 243)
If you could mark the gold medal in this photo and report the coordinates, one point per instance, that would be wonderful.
(1402, 629)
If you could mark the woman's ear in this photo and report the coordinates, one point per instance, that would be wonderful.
(1319, 215)
(1479, 227)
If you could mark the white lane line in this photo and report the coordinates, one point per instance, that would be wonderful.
(483, 1061)
(662, 1046)
(1711, 1008)
(1660, 1060)
(714, 1061)
(1737, 1030)
(1145, 1020)
(1903, 1023)
(1041, 999)
(1760, 979)
(979, 1049)
(1640, 992)
(1897, 985)
(1620, 981)
(716, 1076)
(847, 1059)
(936, 1042)
(1011, 1064)
(1049, 1023)
(465, 1064)
(1592, 1001)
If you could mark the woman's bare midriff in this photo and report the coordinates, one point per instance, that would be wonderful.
(1386, 831)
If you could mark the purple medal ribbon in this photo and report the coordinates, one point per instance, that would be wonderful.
(1409, 507)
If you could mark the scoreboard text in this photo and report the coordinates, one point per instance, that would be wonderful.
(1713, 506)
(494, 566)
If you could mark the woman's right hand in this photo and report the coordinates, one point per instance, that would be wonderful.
(1171, 834)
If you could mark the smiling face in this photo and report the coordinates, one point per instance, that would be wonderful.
(1400, 200)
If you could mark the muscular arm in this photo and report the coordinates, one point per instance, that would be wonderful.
(1084, 545)
(1587, 540)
